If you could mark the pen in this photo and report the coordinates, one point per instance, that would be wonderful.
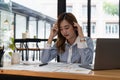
(43, 64)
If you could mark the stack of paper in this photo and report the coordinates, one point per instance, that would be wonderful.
(51, 67)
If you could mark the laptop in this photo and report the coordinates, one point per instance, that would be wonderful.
(107, 55)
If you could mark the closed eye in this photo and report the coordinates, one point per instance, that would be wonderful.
(65, 27)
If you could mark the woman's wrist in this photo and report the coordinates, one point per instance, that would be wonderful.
(50, 40)
(82, 39)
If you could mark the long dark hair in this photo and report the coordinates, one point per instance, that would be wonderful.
(70, 18)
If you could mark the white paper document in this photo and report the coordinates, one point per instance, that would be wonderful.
(50, 67)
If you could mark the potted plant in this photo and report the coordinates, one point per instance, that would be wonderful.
(15, 56)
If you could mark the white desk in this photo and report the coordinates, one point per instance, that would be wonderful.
(63, 71)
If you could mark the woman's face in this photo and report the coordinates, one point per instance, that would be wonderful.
(67, 30)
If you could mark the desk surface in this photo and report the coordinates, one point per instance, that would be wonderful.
(93, 75)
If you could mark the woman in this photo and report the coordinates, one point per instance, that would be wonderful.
(71, 45)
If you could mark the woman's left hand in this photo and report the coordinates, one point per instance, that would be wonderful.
(79, 29)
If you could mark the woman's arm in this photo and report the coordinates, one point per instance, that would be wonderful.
(53, 33)
(86, 47)
(87, 53)
(80, 32)
(48, 54)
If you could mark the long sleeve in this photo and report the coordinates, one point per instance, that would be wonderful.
(48, 53)
(87, 53)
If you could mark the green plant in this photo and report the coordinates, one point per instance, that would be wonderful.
(11, 45)
(111, 8)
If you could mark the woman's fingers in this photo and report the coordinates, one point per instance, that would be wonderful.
(54, 30)
(79, 29)
(76, 24)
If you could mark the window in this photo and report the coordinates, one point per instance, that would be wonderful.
(69, 9)
(84, 11)
(47, 11)
(93, 10)
(93, 25)
(32, 27)
(84, 27)
(112, 28)
(106, 18)
(20, 25)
